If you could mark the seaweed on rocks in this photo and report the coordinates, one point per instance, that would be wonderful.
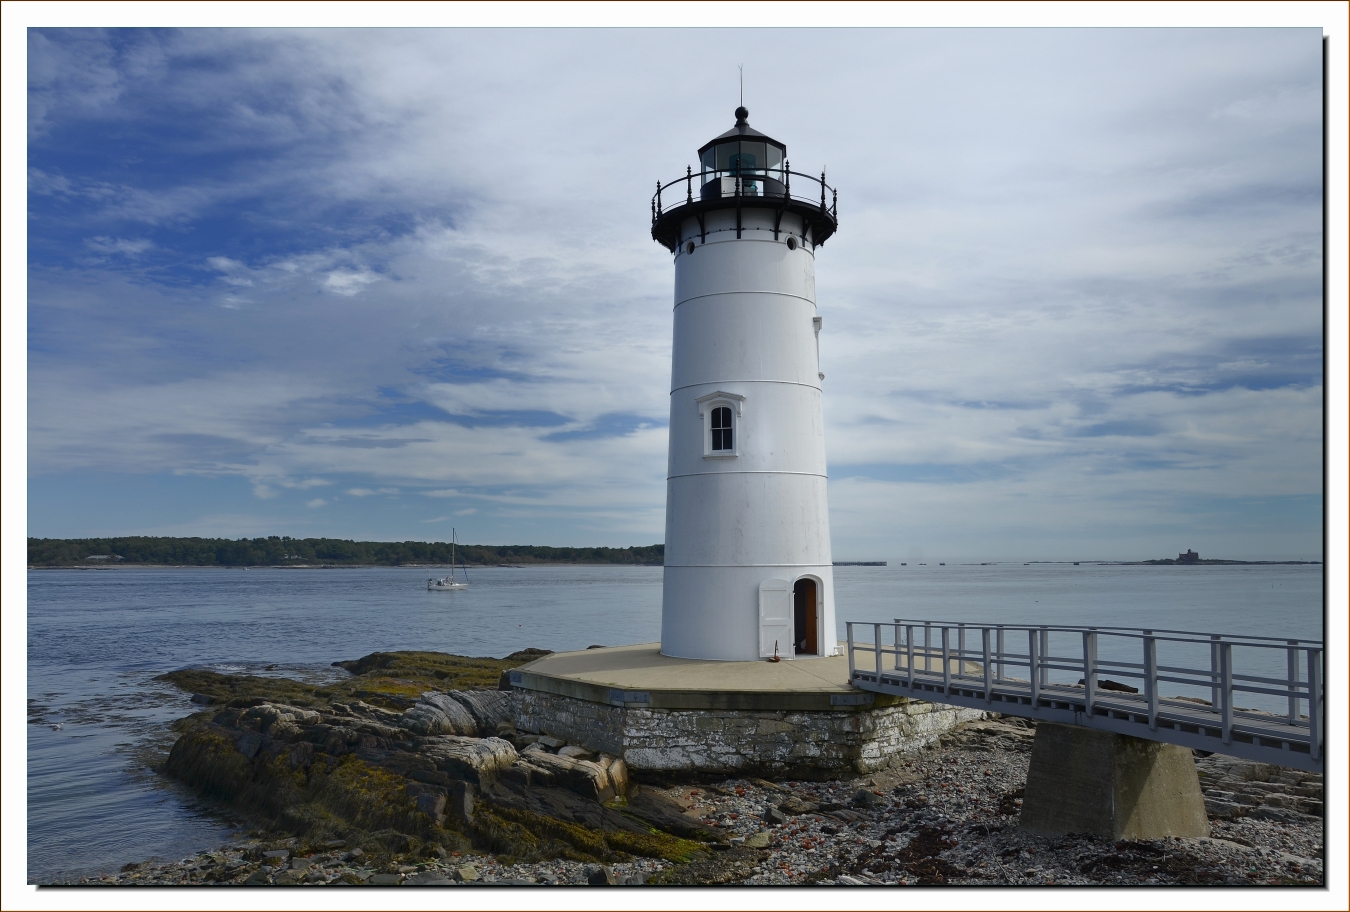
(392, 761)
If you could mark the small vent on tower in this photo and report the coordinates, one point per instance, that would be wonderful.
(689, 248)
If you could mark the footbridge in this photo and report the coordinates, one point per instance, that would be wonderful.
(1059, 674)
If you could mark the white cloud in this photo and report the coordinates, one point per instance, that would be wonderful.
(316, 502)
(1088, 255)
(130, 247)
(348, 283)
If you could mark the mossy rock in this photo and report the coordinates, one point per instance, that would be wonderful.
(391, 680)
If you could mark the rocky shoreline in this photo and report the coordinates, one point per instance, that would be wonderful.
(437, 788)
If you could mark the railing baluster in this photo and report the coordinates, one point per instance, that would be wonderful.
(1315, 703)
(1151, 678)
(988, 684)
(1214, 672)
(946, 660)
(876, 642)
(909, 652)
(897, 646)
(852, 668)
(960, 651)
(1002, 672)
(1293, 681)
(1226, 666)
(1034, 669)
(1044, 653)
(1089, 669)
(689, 183)
(927, 646)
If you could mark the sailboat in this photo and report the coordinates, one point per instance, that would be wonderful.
(449, 582)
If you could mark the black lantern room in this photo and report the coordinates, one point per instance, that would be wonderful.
(743, 169)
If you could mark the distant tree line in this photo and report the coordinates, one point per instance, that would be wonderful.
(282, 550)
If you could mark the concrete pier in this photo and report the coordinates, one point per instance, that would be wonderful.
(1087, 781)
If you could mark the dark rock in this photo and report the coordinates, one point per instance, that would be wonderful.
(1108, 684)
(477, 760)
(202, 699)
(431, 800)
(460, 802)
(248, 744)
(865, 798)
(489, 708)
(794, 806)
(385, 880)
(527, 655)
(773, 815)
(301, 755)
(602, 877)
(438, 714)
(582, 776)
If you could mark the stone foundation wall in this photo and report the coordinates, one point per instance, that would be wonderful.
(783, 744)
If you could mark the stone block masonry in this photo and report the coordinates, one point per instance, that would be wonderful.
(795, 744)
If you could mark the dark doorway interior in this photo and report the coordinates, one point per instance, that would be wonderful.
(804, 617)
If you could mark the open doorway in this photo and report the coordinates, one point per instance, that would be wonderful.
(804, 621)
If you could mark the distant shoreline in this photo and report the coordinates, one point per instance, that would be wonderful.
(137, 566)
(526, 566)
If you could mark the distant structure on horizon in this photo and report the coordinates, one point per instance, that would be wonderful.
(748, 570)
(1190, 557)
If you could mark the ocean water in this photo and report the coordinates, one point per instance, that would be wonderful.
(98, 722)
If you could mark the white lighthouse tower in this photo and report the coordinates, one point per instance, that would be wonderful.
(748, 571)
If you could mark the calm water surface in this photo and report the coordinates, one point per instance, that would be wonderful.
(97, 638)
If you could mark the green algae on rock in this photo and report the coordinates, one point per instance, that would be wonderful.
(413, 755)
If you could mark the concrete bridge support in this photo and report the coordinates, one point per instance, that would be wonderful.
(1087, 781)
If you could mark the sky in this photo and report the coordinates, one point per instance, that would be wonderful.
(379, 284)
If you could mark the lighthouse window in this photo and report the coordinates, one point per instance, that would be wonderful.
(721, 429)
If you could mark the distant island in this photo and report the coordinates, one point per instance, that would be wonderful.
(284, 551)
(860, 563)
(1193, 558)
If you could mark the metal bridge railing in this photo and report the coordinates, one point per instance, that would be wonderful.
(1070, 663)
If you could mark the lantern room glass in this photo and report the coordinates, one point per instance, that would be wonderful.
(743, 159)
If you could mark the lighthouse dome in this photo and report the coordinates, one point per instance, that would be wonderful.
(742, 150)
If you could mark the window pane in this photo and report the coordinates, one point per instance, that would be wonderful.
(773, 156)
(752, 156)
(724, 153)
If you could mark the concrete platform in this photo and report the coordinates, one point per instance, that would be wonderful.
(640, 677)
(795, 719)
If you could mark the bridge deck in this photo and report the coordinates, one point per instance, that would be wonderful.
(948, 675)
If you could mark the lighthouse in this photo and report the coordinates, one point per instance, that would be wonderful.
(748, 570)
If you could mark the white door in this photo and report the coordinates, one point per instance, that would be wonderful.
(775, 618)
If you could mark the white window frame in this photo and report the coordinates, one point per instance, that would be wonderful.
(706, 404)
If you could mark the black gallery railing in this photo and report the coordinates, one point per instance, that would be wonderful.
(768, 184)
